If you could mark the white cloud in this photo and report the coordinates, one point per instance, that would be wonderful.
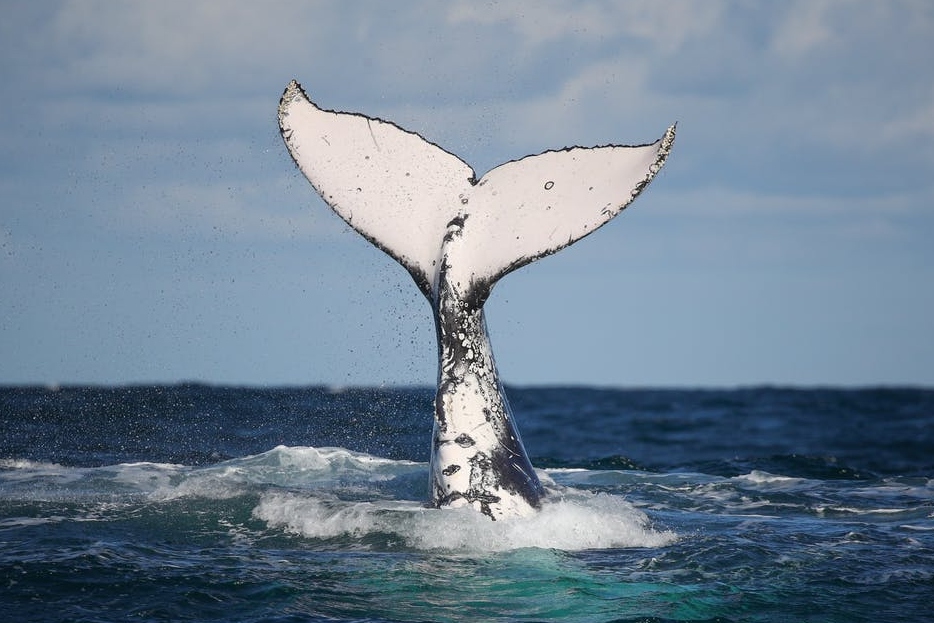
(721, 202)
(539, 22)
(509, 77)
(241, 211)
(914, 127)
(589, 73)
(664, 25)
(805, 145)
(803, 28)
(170, 46)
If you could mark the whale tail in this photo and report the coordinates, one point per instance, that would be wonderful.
(402, 192)
(457, 235)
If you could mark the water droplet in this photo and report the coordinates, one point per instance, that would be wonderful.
(549, 185)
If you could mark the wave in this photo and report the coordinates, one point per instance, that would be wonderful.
(338, 498)
(572, 522)
(357, 499)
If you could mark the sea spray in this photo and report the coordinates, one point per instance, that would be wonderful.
(572, 521)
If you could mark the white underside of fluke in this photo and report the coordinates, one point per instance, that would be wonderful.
(457, 235)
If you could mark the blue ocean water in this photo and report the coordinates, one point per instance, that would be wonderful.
(199, 503)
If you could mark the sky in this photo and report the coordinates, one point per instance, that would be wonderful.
(153, 228)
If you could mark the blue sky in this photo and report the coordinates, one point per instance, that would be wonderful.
(154, 229)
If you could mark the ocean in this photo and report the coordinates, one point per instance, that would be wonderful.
(201, 503)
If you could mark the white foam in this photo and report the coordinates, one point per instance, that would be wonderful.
(766, 483)
(26, 464)
(335, 493)
(576, 521)
(307, 463)
(305, 467)
(213, 484)
(758, 477)
(14, 470)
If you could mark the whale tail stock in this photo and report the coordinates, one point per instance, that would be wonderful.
(457, 236)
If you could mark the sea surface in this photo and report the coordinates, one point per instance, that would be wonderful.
(202, 503)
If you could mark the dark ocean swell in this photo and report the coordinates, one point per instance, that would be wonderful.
(195, 503)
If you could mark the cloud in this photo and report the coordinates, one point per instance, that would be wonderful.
(803, 29)
(777, 97)
(664, 26)
(773, 96)
(168, 47)
(786, 232)
(915, 124)
(245, 211)
(804, 153)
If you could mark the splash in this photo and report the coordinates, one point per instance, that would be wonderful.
(356, 500)
(574, 521)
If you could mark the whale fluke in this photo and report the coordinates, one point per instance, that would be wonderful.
(457, 236)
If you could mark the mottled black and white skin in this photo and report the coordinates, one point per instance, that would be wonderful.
(457, 235)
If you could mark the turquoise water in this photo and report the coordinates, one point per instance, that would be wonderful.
(191, 503)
